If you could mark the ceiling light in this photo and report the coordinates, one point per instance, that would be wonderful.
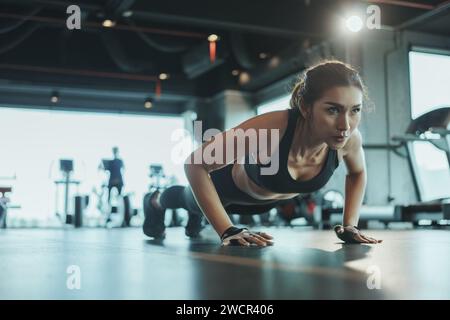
(213, 37)
(354, 23)
(55, 97)
(244, 77)
(107, 23)
(163, 76)
(148, 104)
(274, 62)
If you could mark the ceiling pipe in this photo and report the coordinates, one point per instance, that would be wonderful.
(240, 51)
(117, 52)
(19, 22)
(401, 3)
(62, 23)
(78, 72)
(443, 8)
(222, 25)
(154, 44)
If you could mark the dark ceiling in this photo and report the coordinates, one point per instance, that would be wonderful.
(169, 36)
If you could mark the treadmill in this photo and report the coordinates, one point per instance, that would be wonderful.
(427, 143)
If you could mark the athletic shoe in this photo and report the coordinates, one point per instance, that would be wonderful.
(154, 218)
(194, 225)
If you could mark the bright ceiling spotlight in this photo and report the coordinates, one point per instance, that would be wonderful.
(244, 78)
(354, 24)
(163, 76)
(107, 23)
(274, 62)
(213, 37)
(148, 104)
(55, 97)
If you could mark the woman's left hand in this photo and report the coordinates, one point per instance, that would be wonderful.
(351, 234)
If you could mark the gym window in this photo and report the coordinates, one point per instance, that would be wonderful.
(429, 74)
(33, 142)
(429, 81)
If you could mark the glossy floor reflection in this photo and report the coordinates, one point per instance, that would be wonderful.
(124, 264)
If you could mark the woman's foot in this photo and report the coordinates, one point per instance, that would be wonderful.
(153, 216)
(194, 225)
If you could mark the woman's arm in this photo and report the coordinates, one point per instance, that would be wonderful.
(355, 185)
(209, 202)
(355, 181)
(207, 198)
(197, 170)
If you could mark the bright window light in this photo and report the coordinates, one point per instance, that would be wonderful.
(432, 171)
(429, 82)
(33, 142)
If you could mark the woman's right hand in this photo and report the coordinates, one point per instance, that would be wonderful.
(234, 236)
(351, 234)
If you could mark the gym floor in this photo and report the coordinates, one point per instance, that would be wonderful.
(303, 264)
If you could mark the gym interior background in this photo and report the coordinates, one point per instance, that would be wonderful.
(136, 74)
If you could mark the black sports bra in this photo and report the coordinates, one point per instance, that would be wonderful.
(282, 181)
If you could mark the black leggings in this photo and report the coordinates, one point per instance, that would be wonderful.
(233, 199)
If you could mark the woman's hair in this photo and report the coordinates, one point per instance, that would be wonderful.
(325, 75)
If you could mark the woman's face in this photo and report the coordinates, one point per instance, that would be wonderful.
(336, 115)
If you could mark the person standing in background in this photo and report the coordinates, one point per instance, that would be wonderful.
(115, 168)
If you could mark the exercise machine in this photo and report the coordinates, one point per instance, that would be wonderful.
(66, 169)
(427, 143)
